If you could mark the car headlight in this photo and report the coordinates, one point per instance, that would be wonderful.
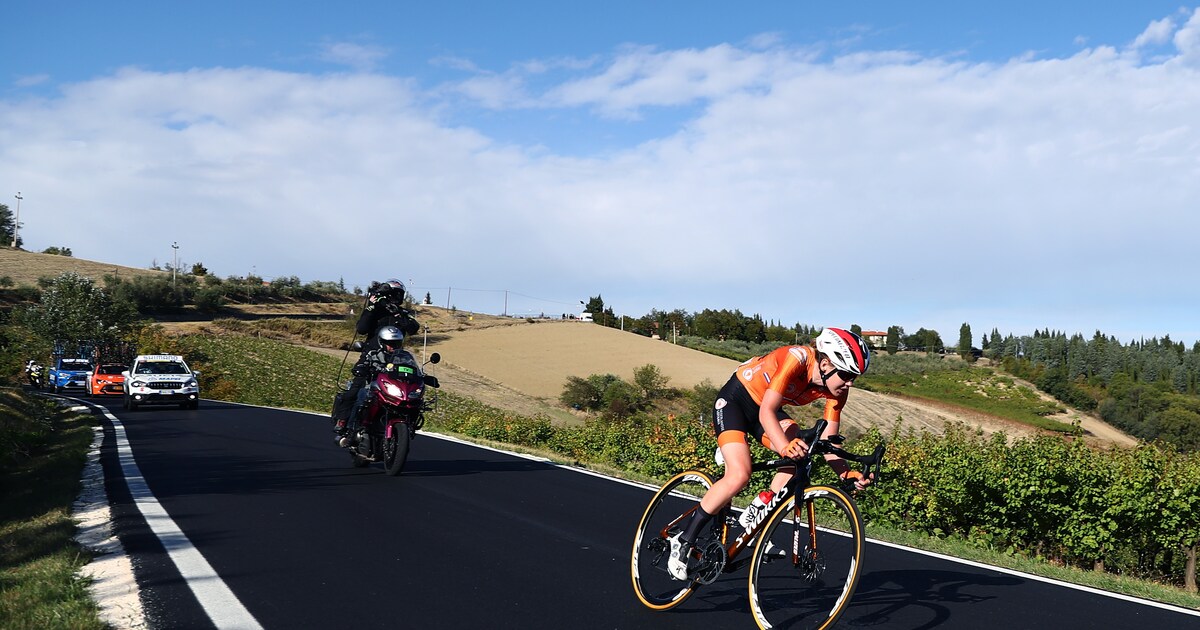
(191, 383)
(138, 384)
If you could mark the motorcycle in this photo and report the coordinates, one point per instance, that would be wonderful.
(36, 375)
(393, 412)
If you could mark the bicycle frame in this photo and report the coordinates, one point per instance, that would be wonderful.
(812, 548)
(796, 486)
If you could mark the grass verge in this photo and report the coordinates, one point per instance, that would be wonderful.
(39, 560)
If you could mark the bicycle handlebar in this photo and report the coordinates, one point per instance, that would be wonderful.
(872, 464)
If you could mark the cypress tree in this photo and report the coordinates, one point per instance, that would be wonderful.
(964, 342)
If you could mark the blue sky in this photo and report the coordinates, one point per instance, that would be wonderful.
(1014, 165)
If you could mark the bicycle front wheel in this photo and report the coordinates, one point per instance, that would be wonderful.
(667, 515)
(807, 561)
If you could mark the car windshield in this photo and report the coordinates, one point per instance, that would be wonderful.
(111, 369)
(76, 365)
(161, 367)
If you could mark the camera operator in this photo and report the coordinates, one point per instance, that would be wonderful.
(385, 307)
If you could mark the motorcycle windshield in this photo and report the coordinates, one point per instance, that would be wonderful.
(404, 366)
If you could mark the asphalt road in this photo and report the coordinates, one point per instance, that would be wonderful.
(466, 537)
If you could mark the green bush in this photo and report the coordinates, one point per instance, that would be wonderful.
(581, 393)
(1128, 511)
(651, 381)
(209, 299)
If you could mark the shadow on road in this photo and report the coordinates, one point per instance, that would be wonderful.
(443, 468)
(916, 599)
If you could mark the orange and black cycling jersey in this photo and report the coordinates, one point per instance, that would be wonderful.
(788, 370)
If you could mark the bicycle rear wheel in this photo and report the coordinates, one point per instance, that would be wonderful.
(807, 561)
(667, 515)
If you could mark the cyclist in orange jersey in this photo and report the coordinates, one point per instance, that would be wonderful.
(751, 403)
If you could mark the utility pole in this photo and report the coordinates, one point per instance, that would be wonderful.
(174, 264)
(17, 223)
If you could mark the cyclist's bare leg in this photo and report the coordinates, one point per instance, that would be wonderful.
(737, 475)
(784, 475)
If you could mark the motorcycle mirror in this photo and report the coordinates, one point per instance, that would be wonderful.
(435, 358)
(357, 345)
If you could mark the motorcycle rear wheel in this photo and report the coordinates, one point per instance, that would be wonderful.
(395, 449)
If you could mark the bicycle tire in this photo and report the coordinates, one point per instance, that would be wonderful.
(662, 518)
(802, 577)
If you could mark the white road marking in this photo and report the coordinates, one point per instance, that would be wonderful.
(218, 601)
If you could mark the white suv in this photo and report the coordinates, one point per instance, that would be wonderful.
(161, 379)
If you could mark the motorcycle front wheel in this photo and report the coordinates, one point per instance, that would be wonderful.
(395, 449)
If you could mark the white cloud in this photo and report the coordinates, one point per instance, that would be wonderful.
(641, 77)
(1159, 32)
(31, 80)
(495, 91)
(1187, 40)
(875, 188)
(358, 56)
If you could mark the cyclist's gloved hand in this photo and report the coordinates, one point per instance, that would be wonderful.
(795, 449)
(857, 478)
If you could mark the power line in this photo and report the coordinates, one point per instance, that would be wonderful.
(498, 291)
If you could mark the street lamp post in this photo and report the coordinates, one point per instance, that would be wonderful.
(17, 222)
(174, 264)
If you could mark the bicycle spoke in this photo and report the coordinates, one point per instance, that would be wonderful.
(803, 576)
(665, 517)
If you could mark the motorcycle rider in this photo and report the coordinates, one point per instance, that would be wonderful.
(33, 372)
(389, 350)
(385, 307)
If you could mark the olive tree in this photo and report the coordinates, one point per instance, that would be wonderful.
(74, 308)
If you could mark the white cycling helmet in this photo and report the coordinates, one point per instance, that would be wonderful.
(846, 350)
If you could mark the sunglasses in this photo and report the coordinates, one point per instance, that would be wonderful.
(846, 376)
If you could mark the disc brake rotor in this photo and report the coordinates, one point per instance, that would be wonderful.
(811, 564)
(712, 562)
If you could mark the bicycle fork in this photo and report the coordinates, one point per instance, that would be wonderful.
(807, 559)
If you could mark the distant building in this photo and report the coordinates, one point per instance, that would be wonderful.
(875, 338)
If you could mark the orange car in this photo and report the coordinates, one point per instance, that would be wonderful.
(106, 379)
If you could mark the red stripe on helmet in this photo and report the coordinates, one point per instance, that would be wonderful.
(852, 342)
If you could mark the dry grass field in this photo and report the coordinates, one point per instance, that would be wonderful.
(26, 267)
(522, 365)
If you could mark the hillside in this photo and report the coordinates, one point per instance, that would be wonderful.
(520, 365)
(26, 267)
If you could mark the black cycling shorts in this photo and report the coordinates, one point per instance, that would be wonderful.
(735, 410)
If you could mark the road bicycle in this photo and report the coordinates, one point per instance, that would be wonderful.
(806, 554)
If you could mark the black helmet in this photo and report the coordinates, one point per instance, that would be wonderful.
(393, 288)
(390, 337)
